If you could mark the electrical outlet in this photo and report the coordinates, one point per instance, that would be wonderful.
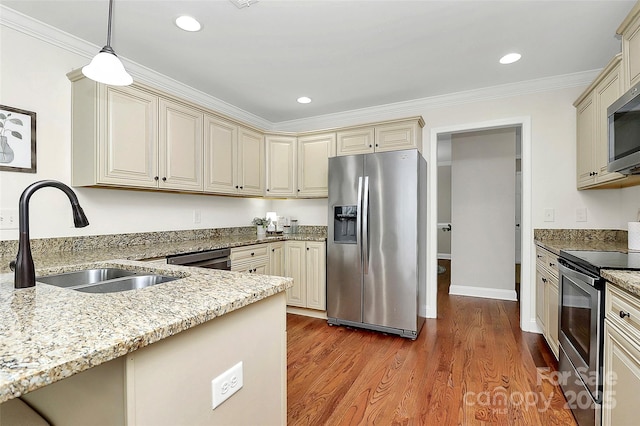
(226, 384)
(581, 214)
(197, 216)
(9, 219)
(549, 215)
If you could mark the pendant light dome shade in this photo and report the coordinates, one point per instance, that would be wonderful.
(105, 67)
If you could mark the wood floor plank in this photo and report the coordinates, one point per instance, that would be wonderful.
(471, 366)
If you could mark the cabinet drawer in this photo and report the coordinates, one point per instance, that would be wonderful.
(240, 254)
(256, 266)
(547, 260)
(617, 303)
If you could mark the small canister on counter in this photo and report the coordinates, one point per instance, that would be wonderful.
(294, 226)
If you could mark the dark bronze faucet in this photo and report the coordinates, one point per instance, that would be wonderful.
(25, 275)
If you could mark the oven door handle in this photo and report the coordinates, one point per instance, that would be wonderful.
(572, 273)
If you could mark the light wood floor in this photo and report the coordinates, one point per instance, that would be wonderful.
(471, 366)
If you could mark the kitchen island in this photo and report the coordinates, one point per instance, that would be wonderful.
(146, 356)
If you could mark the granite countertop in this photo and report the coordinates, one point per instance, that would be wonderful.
(50, 333)
(625, 279)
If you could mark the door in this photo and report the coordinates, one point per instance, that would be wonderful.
(344, 278)
(389, 239)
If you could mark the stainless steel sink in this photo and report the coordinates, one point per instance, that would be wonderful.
(84, 277)
(125, 284)
(104, 280)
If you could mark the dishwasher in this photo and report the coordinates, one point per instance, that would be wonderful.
(211, 259)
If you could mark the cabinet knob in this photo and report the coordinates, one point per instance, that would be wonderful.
(267, 189)
(538, 256)
(236, 186)
(241, 187)
(298, 190)
(164, 179)
(273, 250)
(376, 144)
(156, 178)
(624, 314)
(307, 248)
(552, 264)
(252, 254)
(544, 280)
(370, 146)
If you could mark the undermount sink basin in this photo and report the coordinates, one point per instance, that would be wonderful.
(84, 277)
(104, 280)
(125, 284)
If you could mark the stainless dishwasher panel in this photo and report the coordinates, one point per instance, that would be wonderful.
(211, 259)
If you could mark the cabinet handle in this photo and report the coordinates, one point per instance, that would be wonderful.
(156, 178)
(552, 264)
(544, 280)
(539, 256)
(164, 179)
(241, 187)
(624, 314)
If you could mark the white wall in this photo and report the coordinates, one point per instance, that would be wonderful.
(33, 77)
(483, 213)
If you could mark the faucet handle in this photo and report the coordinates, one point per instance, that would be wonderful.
(12, 265)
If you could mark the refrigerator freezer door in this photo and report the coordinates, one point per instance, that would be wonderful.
(344, 261)
(391, 283)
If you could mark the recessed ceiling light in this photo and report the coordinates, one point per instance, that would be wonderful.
(510, 58)
(188, 23)
(304, 100)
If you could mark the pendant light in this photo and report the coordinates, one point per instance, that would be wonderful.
(105, 67)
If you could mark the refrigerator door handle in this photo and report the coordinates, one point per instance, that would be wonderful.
(365, 225)
(359, 224)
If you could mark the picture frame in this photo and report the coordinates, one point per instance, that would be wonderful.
(17, 140)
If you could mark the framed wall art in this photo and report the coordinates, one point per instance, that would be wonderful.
(17, 140)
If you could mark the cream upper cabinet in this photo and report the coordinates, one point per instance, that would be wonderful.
(315, 273)
(355, 141)
(314, 152)
(592, 127)
(392, 137)
(114, 136)
(220, 156)
(180, 147)
(629, 29)
(281, 165)
(251, 173)
(389, 136)
(621, 369)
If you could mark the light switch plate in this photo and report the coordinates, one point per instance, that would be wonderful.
(549, 215)
(581, 214)
(9, 219)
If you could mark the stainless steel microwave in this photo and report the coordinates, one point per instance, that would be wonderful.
(623, 118)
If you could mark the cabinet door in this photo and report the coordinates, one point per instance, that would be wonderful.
(316, 275)
(220, 156)
(393, 137)
(294, 266)
(128, 154)
(541, 281)
(607, 92)
(621, 378)
(585, 122)
(358, 141)
(313, 164)
(251, 162)
(276, 259)
(180, 147)
(551, 314)
(281, 165)
(631, 51)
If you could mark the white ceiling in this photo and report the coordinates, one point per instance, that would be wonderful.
(345, 54)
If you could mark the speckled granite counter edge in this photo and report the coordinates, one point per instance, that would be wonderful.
(21, 381)
(626, 280)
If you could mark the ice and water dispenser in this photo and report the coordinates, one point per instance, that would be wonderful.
(344, 224)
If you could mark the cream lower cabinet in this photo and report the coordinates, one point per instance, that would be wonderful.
(305, 262)
(276, 259)
(130, 137)
(547, 297)
(251, 259)
(281, 165)
(314, 152)
(621, 370)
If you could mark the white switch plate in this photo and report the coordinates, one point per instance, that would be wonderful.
(9, 219)
(226, 384)
(581, 214)
(549, 215)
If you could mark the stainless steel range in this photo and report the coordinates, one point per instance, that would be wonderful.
(581, 334)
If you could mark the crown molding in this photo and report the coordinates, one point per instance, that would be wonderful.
(418, 106)
(27, 25)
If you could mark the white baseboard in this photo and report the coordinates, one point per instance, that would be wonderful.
(444, 256)
(487, 293)
(307, 312)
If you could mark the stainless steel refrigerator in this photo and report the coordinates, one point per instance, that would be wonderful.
(376, 242)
